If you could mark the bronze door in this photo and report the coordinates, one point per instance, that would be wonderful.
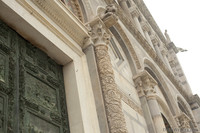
(32, 95)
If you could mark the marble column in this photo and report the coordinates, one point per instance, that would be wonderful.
(111, 95)
(184, 123)
(148, 89)
(147, 29)
(135, 15)
(144, 104)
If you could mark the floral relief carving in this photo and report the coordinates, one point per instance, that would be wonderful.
(183, 122)
(112, 97)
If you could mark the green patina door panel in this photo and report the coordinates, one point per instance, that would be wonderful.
(32, 95)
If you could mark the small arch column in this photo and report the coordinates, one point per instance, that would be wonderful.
(135, 15)
(147, 93)
(147, 29)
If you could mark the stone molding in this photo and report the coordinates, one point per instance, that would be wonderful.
(129, 45)
(77, 10)
(132, 104)
(111, 95)
(62, 16)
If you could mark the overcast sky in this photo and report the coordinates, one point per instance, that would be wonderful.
(181, 18)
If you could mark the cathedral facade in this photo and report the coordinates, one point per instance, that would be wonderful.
(90, 66)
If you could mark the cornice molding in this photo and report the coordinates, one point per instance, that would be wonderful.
(61, 16)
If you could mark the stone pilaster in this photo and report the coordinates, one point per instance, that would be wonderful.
(111, 95)
(184, 123)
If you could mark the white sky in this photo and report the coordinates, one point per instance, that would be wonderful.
(181, 18)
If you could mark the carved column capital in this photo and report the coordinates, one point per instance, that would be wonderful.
(98, 34)
(145, 84)
(183, 121)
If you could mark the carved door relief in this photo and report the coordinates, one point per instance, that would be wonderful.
(32, 95)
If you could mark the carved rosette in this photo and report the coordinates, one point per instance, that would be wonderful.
(112, 98)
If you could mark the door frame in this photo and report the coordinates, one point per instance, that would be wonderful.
(81, 108)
